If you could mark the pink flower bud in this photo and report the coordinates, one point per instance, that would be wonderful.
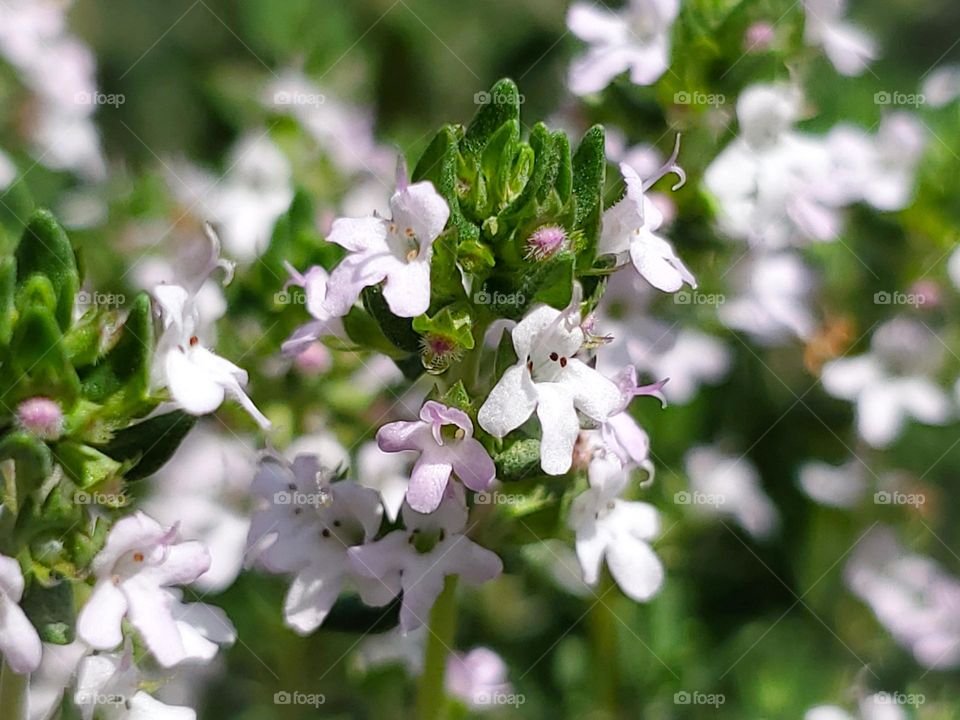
(42, 417)
(546, 241)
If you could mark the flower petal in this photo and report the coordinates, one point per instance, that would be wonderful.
(98, 624)
(311, 595)
(510, 403)
(360, 235)
(473, 464)
(559, 427)
(636, 568)
(151, 614)
(594, 395)
(428, 481)
(192, 386)
(407, 287)
(19, 642)
(421, 208)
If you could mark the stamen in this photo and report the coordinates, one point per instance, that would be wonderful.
(670, 166)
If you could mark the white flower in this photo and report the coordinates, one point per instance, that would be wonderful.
(911, 596)
(198, 380)
(841, 487)
(314, 283)
(549, 379)
(247, 200)
(636, 38)
(204, 487)
(849, 48)
(477, 677)
(418, 558)
(109, 685)
(891, 383)
(20, 646)
(629, 229)
(873, 707)
(688, 357)
(8, 171)
(607, 526)
(728, 485)
(773, 303)
(140, 560)
(396, 252)
(387, 473)
(942, 86)
(309, 525)
(878, 169)
(771, 181)
(49, 681)
(344, 132)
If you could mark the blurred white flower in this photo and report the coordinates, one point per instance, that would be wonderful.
(769, 180)
(387, 473)
(344, 132)
(687, 357)
(849, 48)
(877, 169)
(772, 304)
(477, 677)
(911, 596)
(204, 488)
(873, 707)
(834, 486)
(246, 200)
(636, 38)
(61, 72)
(55, 674)
(8, 171)
(724, 484)
(942, 86)
(619, 531)
(891, 383)
(108, 685)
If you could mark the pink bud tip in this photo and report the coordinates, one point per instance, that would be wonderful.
(42, 417)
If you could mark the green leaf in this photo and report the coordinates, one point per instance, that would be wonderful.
(366, 334)
(8, 311)
(122, 378)
(397, 330)
(44, 248)
(51, 611)
(33, 463)
(85, 465)
(497, 164)
(502, 106)
(148, 445)
(440, 164)
(453, 322)
(457, 397)
(589, 170)
(519, 460)
(40, 362)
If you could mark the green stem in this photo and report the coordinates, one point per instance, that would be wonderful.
(13, 694)
(602, 624)
(431, 697)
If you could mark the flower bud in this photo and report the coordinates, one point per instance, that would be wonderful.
(545, 242)
(42, 417)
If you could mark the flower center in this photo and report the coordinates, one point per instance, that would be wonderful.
(425, 541)
(403, 243)
(546, 366)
